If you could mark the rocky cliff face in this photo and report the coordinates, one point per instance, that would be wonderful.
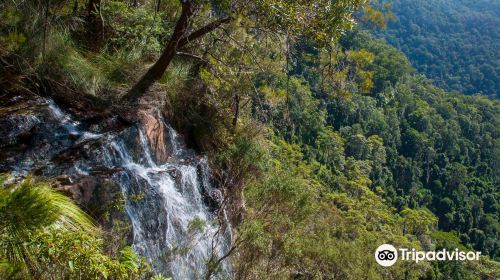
(103, 161)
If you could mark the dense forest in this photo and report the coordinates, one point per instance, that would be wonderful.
(322, 140)
(453, 42)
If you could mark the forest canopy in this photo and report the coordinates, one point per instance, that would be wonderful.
(455, 43)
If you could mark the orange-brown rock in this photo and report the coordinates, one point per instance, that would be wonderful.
(156, 133)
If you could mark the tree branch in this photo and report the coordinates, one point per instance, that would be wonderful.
(192, 56)
(203, 30)
(176, 42)
(156, 71)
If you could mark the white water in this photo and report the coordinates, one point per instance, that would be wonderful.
(168, 206)
(173, 227)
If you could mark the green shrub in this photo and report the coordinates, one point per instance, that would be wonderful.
(43, 235)
(135, 29)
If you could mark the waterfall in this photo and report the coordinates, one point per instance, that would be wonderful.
(176, 224)
(173, 227)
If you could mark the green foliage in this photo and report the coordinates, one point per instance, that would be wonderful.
(322, 21)
(446, 270)
(55, 44)
(64, 62)
(389, 65)
(10, 39)
(452, 42)
(43, 234)
(296, 226)
(377, 14)
(418, 222)
(415, 141)
(135, 30)
(347, 153)
(31, 207)
(429, 158)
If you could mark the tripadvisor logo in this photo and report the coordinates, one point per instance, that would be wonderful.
(387, 255)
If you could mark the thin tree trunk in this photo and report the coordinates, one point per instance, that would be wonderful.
(75, 8)
(91, 5)
(236, 100)
(45, 27)
(236, 110)
(95, 23)
(176, 42)
(156, 71)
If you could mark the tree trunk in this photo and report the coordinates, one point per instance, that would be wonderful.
(236, 101)
(95, 24)
(90, 8)
(45, 26)
(236, 110)
(176, 42)
(156, 71)
(75, 8)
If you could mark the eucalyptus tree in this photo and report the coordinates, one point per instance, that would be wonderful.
(322, 21)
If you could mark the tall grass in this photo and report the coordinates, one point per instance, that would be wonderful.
(85, 71)
(54, 42)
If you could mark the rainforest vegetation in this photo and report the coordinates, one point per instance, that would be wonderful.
(324, 140)
(452, 42)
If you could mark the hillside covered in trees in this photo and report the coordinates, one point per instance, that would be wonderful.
(234, 139)
(455, 43)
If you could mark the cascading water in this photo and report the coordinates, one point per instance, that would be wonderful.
(167, 201)
(173, 228)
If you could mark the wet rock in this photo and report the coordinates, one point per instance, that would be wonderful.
(64, 180)
(217, 197)
(102, 170)
(18, 118)
(108, 124)
(81, 190)
(157, 135)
